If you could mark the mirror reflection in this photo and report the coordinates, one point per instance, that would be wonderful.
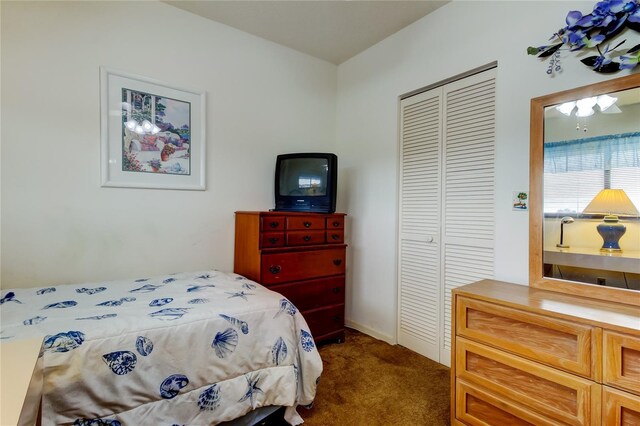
(592, 190)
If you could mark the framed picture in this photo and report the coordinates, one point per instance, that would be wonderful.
(153, 133)
(520, 201)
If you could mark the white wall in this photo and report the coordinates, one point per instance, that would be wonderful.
(58, 224)
(455, 38)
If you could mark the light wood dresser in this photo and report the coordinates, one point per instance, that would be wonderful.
(303, 257)
(525, 356)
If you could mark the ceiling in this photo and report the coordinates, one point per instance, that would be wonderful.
(331, 30)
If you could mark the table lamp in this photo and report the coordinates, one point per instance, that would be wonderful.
(611, 203)
(565, 220)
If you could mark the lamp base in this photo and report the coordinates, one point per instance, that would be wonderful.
(611, 230)
(562, 245)
(610, 250)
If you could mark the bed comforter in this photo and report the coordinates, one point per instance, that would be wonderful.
(192, 348)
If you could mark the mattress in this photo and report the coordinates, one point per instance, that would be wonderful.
(191, 348)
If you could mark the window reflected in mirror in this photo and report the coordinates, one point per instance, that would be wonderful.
(591, 194)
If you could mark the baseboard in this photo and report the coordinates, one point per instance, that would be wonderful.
(371, 332)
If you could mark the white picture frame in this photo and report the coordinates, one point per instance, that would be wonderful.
(152, 133)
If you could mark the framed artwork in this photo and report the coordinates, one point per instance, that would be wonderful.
(520, 201)
(153, 133)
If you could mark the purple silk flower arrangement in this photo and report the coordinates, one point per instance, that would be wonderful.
(595, 30)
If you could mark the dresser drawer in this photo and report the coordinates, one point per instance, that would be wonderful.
(335, 222)
(477, 407)
(304, 238)
(556, 394)
(305, 222)
(621, 361)
(562, 344)
(325, 321)
(272, 239)
(301, 265)
(272, 223)
(314, 294)
(335, 236)
(619, 408)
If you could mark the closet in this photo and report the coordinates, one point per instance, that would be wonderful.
(446, 205)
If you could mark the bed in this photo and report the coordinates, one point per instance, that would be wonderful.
(191, 348)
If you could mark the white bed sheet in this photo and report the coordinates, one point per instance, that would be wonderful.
(192, 348)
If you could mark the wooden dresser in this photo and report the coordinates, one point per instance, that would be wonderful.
(302, 256)
(525, 356)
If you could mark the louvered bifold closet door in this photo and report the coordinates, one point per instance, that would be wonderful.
(468, 189)
(419, 308)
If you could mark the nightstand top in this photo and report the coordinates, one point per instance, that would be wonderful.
(17, 362)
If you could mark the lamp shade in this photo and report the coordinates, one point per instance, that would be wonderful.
(612, 202)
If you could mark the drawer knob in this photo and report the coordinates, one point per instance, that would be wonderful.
(337, 262)
(275, 269)
(306, 224)
(335, 236)
(336, 224)
(274, 224)
(273, 240)
(336, 318)
(336, 290)
(307, 238)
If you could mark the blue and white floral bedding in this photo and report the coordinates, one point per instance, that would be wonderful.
(190, 349)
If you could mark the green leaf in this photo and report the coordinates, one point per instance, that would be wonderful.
(608, 68)
(617, 45)
(550, 51)
(590, 61)
(633, 25)
(634, 49)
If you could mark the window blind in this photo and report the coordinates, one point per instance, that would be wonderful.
(576, 170)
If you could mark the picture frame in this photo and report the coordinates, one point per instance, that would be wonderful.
(152, 133)
(520, 201)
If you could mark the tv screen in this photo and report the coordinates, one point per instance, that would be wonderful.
(306, 182)
(304, 176)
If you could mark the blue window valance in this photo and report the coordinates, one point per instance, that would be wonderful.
(596, 153)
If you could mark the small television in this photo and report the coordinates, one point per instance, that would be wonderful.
(306, 182)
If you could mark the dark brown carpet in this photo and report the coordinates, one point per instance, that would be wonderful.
(369, 382)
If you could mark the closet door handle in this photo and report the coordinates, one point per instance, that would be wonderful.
(275, 269)
(307, 238)
(273, 240)
(274, 224)
(337, 262)
(306, 224)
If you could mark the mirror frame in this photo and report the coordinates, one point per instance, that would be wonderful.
(536, 219)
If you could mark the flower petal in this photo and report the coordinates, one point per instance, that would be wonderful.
(589, 21)
(634, 17)
(573, 17)
(614, 26)
(617, 6)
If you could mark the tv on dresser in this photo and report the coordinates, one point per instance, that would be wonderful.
(306, 182)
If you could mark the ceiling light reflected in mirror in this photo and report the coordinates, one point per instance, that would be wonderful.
(585, 106)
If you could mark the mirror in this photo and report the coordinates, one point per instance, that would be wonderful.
(585, 191)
